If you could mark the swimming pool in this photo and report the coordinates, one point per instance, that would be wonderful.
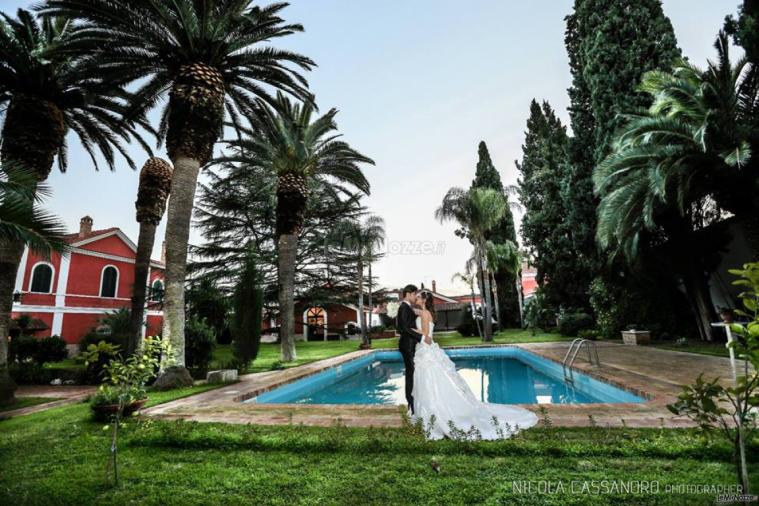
(504, 375)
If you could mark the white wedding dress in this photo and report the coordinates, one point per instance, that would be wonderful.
(442, 398)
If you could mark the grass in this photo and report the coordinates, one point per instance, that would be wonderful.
(694, 346)
(311, 351)
(25, 402)
(59, 457)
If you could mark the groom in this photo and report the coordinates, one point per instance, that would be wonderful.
(406, 321)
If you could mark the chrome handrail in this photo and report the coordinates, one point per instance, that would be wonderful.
(574, 349)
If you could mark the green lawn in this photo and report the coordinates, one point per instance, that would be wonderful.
(695, 346)
(59, 457)
(268, 355)
(25, 402)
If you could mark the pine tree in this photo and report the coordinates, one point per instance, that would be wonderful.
(486, 176)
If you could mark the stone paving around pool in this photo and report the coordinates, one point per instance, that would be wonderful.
(649, 372)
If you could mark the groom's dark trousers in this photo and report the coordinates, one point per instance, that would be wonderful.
(406, 321)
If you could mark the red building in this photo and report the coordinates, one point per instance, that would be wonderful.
(70, 293)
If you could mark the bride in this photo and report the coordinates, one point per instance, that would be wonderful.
(443, 400)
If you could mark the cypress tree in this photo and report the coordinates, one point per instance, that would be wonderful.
(745, 29)
(610, 44)
(541, 191)
(487, 176)
(248, 304)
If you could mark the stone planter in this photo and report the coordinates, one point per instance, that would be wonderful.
(635, 337)
(222, 376)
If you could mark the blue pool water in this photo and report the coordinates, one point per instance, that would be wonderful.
(504, 375)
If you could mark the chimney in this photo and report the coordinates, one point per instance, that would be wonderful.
(434, 286)
(85, 226)
(163, 252)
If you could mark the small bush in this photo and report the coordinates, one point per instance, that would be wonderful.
(571, 324)
(591, 334)
(95, 337)
(200, 341)
(105, 353)
(51, 349)
(467, 327)
(22, 348)
(30, 349)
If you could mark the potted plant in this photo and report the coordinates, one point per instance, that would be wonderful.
(123, 391)
(106, 402)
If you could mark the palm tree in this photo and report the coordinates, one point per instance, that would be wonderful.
(299, 148)
(503, 255)
(152, 194)
(212, 58)
(361, 239)
(698, 139)
(477, 211)
(21, 221)
(677, 168)
(43, 96)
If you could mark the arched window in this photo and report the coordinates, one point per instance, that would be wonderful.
(156, 291)
(109, 280)
(42, 278)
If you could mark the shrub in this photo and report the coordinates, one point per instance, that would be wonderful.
(570, 324)
(51, 349)
(200, 341)
(114, 328)
(30, 349)
(97, 357)
(467, 327)
(537, 312)
(22, 348)
(606, 309)
(592, 334)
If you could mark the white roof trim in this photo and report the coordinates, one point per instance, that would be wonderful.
(121, 235)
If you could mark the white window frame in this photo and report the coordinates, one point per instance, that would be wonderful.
(102, 278)
(31, 276)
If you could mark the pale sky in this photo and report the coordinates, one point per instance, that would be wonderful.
(418, 85)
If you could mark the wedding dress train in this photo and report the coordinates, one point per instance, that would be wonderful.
(447, 406)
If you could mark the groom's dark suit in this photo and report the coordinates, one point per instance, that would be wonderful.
(406, 320)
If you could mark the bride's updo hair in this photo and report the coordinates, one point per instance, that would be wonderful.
(428, 302)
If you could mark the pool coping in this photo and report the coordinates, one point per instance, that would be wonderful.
(225, 404)
(647, 396)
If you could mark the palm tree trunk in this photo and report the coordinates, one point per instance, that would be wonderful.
(361, 315)
(10, 257)
(181, 201)
(476, 321)
(371, 306)
(700, 300)
(518, 286)
(495, 301)
(488, 313)
(32, 132)
(287, 250)
(145, 243)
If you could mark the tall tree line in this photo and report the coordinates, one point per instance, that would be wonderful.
(610, 45)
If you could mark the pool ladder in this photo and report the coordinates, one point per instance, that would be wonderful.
(571, 355)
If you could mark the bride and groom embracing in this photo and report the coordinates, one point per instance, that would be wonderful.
(435, 392)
